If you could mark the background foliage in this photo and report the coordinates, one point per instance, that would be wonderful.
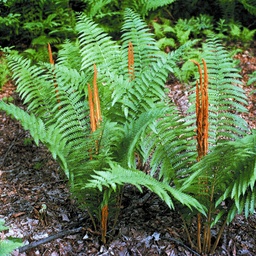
(32, 24)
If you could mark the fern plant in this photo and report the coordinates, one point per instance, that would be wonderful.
(172, 160)
(223, 124)
(99, 153)
(230, 174)
(132, 99)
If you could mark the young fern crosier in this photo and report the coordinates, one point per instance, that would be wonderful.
(97, 150)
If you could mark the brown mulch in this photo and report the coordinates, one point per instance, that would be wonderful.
(31, 180)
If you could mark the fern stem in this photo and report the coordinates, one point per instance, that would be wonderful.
(104, 220)
(118, 206)
(207, 233)
(92, 219)
(218, 237)
(199, 245)
(187, 232)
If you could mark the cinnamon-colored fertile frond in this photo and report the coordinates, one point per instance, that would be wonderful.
(91, 106)
(202, 110)
(96, 98)
(50, 54)
(131, 61)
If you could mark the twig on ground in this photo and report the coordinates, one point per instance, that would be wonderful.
(183, 245)
(48, 239)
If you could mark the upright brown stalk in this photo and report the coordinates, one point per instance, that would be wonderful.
(131, 61)
(94, 103)
(202, 144)
(95, 119)
(92, 118)
(91, 106)
(202, 111)
(50, 54)
(104, 222)
(96, 97)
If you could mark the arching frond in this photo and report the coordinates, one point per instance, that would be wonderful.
(49, 136)
(172, 148)
(144, 6)
(69, 55)
(230, 169)
(96, 47)
(34, 85)
(117, 175)
(144, 46)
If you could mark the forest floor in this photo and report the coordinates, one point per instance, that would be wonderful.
(31, 180)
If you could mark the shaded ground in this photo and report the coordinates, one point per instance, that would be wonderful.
(31, 180)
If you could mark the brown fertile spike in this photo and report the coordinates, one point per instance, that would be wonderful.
(202, 110)
(206, 108)
(131, 61)
(199, 112)
(202, 124)
(91, 105)
(50, 54)
(96, 97)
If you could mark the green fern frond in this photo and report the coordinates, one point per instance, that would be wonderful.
(35, 87)
(69, 55)
(97, 6)
(137, 32)
(144, 6)
(117, 175)
(62, 106)
(252, 80)
(132, 136)
(96, 47)
(228, 9)
(29, 122)
(50, 136)
(230, 169)
(8, 244)
(147, 90)
(172, 149)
